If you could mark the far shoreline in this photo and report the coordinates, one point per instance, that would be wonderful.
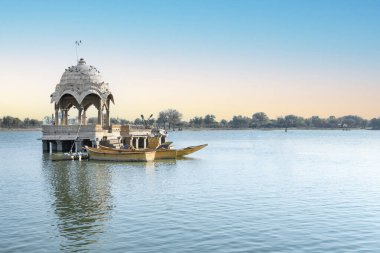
(267, 129)
(20, 129)
(210, 129)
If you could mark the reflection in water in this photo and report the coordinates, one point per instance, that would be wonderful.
(82, 198)
(305, 191)
(82, 201)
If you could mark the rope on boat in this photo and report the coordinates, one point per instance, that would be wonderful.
(76, 138)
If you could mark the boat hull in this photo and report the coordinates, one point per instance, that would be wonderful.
(166, 154)
(159, 155)
(110, 155)
(189, 150)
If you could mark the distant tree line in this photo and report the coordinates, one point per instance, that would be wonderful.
(12, 122)
(172, 119)
(261, 121)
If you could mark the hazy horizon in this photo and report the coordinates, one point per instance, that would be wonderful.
(200, 57)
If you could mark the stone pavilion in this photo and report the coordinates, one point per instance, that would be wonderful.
(80, 87)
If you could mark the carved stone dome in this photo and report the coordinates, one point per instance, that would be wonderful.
(81, 73)
(80, 81)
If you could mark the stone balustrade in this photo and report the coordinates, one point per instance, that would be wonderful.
(70, 132)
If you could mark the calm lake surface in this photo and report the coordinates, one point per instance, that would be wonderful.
(248, 191)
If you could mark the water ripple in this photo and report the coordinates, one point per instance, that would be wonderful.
(248, 191)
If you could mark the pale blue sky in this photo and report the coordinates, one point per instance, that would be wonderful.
(281, 57)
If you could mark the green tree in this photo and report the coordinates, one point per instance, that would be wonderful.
(280, 122)
(196, 122)
(353, 121)
(35, 123)
(332, 122)
(294, 121)
(7, 122)
(259, 119)
(317, 122)
(209, 121)
(26, 123)
(11, 122)
(170, 116)
(291, 120)
(162, 119)
(224, 123)
(240, 122)
(374, 123)
(138, 121)
(174, 117)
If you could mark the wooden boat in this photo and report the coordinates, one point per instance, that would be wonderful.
(189, 150)
(166, 154)
(120, 155)
(160, 153)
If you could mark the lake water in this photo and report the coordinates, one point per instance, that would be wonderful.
(248, 191)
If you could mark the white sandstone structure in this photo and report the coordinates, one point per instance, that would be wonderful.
(80, 87)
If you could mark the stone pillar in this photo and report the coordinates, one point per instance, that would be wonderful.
(62, 118)
(56, 117)
(84, 118)
(45, 146)
(50, 147)
(145, 143)
(79, 116)
(108, 122)
(100, 116)
(66, 117)
(137, 143)
(59, 146)
(131, 142)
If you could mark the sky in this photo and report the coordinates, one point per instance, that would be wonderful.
(200, 57)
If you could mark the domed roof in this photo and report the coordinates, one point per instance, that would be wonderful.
(81, 73)
(80, 81)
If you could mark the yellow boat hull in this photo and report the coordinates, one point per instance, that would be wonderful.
(166, 154)
(160, 153)
(189, 150)
(120, 156)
